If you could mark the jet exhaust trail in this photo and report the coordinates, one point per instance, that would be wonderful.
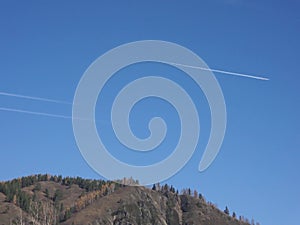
(46, 114)
(35, 113)
(70, 103)
(171, 63)
(34, 98)
(219, 71)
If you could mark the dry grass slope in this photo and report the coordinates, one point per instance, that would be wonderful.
(53, 200)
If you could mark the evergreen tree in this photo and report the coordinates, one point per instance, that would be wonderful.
(67, 215)
(37, 187)
(57, 195)
(47, 193)
(233, 215)
(226, 211)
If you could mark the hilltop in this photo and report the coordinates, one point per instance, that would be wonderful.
(45, 199)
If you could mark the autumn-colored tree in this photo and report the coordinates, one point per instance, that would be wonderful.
(195, 194)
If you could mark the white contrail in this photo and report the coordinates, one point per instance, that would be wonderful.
(35, 113)
(34, 98)
(46, 114)
(171, 63)
(219, 71)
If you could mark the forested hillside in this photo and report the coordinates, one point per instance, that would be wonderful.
(51, 200)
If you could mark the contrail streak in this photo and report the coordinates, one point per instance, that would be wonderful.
(35, 113)
(219, 71)
(34, 98)
(48, 114)
(171, 63)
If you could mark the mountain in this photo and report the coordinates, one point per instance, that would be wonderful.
(50, 200)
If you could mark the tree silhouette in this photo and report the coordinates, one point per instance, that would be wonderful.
(226, 211)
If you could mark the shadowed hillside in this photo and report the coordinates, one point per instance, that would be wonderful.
(50, 200)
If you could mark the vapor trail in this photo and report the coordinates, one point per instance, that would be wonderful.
(34, 98)
(219, 71)
(47, 114)
(70, 103)
(35, 113)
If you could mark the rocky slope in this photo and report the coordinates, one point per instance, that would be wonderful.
(55, 200)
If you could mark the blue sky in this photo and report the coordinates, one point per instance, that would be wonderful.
(46, 47)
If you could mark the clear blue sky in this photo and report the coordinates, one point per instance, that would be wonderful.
(46, 47)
